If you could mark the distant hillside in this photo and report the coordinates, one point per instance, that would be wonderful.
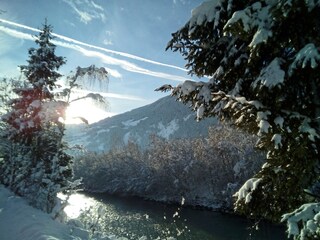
(165, 118)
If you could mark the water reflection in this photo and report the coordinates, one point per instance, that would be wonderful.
(133, 218)
(77, 204)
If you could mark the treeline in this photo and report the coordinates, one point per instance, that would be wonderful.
(204, 171)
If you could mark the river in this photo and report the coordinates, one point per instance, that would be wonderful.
(134, 218)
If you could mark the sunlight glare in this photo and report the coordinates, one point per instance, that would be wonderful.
(77, 203)
(85, 110)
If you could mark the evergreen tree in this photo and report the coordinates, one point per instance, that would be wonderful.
(263, 61)
(38, 168)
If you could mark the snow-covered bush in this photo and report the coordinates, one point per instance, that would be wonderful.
(205, 172)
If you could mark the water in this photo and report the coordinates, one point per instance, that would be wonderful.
(134, 218)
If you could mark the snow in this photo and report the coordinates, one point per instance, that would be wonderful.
(308, 55)
(248, 187)
(165, 132)
(239, 166)
(279, 121)
(133, 123)
(205, 93)
(20, 221)
(207, 11)
(187, 87)
(102, 131)
(308, 214)
(51, 111)
(306, 128)
(200, 111)
(260, 36)
(276, 138)
(312, 4)
(36, 104)
(187, 117)
(92, 78)
(256, 104)
(240, 16)
(264, 127)
(126, 137)
(262, 120)
(255, 17)
(270, 76)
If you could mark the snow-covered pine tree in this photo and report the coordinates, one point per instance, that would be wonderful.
(39, 168)
(263, 61)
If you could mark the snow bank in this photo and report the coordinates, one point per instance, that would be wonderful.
(18, 221)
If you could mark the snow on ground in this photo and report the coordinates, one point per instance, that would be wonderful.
(132, 122)
(166, 131)
(20, 221)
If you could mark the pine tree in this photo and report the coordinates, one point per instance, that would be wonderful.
(263, 61)
(39, 167)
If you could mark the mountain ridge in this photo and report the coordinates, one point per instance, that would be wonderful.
(165, 118)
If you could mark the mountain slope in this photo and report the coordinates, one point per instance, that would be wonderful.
(165, 118)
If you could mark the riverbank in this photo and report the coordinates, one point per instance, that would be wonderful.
(18, 220)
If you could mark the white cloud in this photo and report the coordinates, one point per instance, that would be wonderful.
(183, 2)
(97, 6)
(107, 42)
(86, 10)
(70, 23)
(114, 73)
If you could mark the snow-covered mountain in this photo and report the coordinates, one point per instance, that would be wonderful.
(165, 118)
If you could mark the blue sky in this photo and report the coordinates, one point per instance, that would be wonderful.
(127, 37)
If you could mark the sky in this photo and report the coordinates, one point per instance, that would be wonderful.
(127, 37)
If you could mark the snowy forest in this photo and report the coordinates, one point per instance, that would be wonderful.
(260, 161)
(206, 172)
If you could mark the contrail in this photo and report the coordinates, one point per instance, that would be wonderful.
(128, 66)
(67, 39)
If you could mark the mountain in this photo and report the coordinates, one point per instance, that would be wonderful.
(165, 118)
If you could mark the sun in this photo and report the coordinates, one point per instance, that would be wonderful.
(85, 111)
